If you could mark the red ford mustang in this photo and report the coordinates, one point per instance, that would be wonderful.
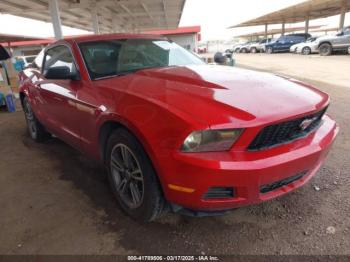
(172, 130)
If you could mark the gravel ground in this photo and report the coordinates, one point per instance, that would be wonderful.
(53, 200)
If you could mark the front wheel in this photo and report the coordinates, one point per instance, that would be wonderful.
(269, 50)
(36, 130)
(306, 50)
(326, 49)
(253, 50)
(132, 177)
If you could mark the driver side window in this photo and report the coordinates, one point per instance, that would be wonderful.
(59, 56)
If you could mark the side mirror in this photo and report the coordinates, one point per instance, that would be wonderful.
(340, 34)
(219, 58)
(60, 72)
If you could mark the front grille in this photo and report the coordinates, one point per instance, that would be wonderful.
(285, 132)
(281, 183)
(219, 192)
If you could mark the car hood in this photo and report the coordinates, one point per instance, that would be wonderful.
(223, 95)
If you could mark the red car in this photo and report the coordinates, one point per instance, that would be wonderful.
(173, 131)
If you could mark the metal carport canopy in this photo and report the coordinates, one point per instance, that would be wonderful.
(277, 31)
(100, 16)
(308, 10)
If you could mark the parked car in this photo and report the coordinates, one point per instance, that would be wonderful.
(237, 48)
(284, 43)
(330, 43)
(260, 47)
(173, 131)
(26, 60)
(245, 48)
(254, 47)
(305, 48)
(202, 49)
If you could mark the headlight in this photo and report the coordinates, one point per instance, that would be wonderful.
(210, 140)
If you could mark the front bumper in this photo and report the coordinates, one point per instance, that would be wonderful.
(248, 174)
(313, 49)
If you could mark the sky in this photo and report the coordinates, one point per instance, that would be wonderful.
(214, 16)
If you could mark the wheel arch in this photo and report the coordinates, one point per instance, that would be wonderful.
(106, 130)
(325, 42)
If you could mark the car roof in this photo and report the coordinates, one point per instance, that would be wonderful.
(92, 38)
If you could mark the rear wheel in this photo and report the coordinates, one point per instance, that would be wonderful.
(132, 177)
(36, 130)
(306, 50)
(253, 50)
(326, 49)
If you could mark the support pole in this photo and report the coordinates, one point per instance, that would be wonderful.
(95, 22)
(283, 28)
(266, 31)
(55, 18)
(342, 15)
(307, 25)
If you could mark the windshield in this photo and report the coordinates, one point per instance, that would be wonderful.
(107, 58)
(311, 39)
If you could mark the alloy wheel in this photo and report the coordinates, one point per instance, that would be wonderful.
(127, 176)
(306, 51)
(30, 119)
(325, 49)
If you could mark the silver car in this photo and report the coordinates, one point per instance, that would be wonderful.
(260, 46)
(305, 48)
(339, 42)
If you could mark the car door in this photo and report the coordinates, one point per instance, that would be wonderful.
(341, 40)
(347, 37)
(280, 43)
(59, 95)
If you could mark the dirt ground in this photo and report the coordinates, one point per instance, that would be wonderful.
(53, 200)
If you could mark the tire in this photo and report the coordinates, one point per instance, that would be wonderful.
(139, 194)
(253, 50)
(269, 50)
(36, 130)
(306, 50)
(349, 50)
(326, 49)
(244, 50)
